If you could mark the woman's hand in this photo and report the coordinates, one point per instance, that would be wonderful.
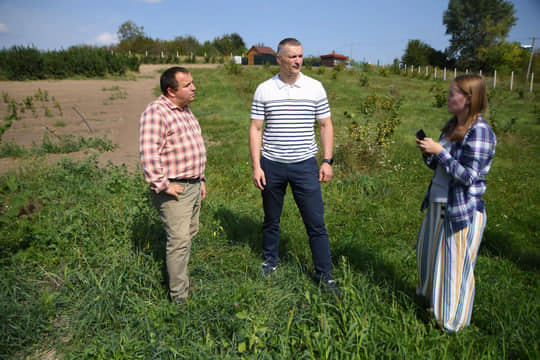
(428, 146)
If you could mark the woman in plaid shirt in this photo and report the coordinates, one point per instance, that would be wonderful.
(452, 228)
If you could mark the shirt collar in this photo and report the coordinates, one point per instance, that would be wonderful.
(170, 104)
(280, 84)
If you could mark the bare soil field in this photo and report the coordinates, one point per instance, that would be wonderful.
(91, 108)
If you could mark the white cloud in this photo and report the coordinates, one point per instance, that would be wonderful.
(3, 28)
(105, 39)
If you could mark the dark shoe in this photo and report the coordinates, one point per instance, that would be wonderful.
(267, 268)
(328, 284)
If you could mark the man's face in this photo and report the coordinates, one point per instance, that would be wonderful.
(185, 93)
(290, 59)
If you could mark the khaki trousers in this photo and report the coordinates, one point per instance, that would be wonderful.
(181, 222)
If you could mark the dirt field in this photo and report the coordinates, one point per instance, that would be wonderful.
(111, 109)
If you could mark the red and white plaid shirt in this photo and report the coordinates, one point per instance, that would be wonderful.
(171, 145)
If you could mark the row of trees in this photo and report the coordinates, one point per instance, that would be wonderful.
(27, 63)
(478, 30)
(132, 38)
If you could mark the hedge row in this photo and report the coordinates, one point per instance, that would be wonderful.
(27, 63)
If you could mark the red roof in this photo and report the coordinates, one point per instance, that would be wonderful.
(263, 50)
(333, 55)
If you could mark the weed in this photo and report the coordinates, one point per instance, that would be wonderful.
(13, 110)
(115, 93)
(29, 102)
(41, 95)
(364, 80)
(48, 113)
(232, 68)
(439, 95)
(384, 72)
(61, 145)
(370, 131)
(57, 105)
(7, 124)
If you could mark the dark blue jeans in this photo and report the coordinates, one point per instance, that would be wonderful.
(304, 180)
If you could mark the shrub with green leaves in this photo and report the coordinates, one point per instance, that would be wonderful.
(27, 63)
(439, 95)
(370, 130)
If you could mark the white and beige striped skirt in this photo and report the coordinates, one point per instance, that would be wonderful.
(446, 263)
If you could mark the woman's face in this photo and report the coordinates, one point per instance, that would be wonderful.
(458, 103)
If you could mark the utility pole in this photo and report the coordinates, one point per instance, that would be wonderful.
(530, 59)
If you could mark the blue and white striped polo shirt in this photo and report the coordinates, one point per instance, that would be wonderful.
(290, 112)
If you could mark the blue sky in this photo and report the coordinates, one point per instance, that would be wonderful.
(368, 30)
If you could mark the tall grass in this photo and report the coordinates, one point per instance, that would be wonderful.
(82, 259)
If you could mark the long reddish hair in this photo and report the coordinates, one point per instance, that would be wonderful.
(474, 86)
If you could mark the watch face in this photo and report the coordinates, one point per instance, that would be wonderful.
(328, 161)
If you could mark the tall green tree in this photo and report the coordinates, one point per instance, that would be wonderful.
(476, 24)
(505, 57)
(230, 44)
(129, 31)
(417, 53)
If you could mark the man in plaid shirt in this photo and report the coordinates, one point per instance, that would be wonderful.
(173, 158)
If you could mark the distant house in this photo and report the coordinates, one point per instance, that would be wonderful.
(333, 59)
(258, 55)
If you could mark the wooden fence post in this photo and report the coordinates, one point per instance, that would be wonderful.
(512, 81)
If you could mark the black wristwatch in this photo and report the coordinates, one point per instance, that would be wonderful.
(328, 161)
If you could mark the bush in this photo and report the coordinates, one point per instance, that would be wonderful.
(20, 63)
(370, 130)
(233, 68)
(439, 94)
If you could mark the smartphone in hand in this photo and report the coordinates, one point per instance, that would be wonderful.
(420, 134)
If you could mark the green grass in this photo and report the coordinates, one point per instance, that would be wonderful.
(82, 252)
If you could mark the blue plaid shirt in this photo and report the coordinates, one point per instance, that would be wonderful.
(467, 163)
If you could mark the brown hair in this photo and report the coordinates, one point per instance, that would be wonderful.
(474, 86)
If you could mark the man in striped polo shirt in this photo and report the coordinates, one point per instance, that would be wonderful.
(173, 159)
(283, 116)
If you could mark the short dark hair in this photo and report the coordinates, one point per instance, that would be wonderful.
(287, 41)
(168, 78)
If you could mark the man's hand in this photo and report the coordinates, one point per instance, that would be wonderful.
(325, 172)
(175, 190)
(259, 179)
(203, 190)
